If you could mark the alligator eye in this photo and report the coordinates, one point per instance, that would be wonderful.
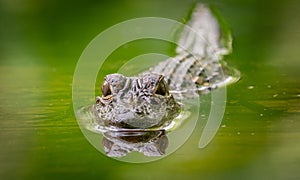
(106, 90)
(161, 88)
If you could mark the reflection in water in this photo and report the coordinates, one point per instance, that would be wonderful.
(119, 142)
(150, 143)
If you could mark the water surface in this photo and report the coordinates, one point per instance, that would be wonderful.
(40, 137)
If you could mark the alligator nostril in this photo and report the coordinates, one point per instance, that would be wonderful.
(138, 112)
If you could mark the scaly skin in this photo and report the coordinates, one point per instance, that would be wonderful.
(135, 102)
(145, 101)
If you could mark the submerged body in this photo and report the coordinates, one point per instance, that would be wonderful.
(151, 99)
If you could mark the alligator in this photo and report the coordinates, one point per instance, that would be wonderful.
(152, 98)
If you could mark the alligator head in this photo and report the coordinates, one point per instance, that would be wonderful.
(135, 102)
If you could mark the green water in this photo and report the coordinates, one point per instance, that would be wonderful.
(41, 42)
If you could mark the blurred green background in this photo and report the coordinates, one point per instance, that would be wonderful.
(41, 42)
